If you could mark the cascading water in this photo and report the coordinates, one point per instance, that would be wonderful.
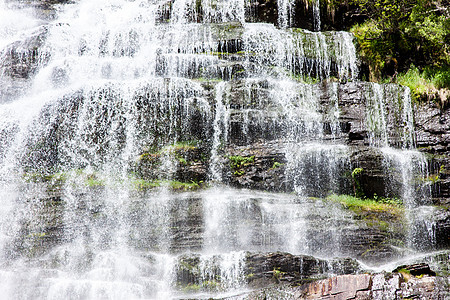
(125, 101)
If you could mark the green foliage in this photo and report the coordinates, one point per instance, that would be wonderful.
(440, 77)
(357, 189)
(305, 78)
(356, 172)
(276, 165)
(81, 177)
(401, 32)
(277, 274)
(358, 205)
(432, 179)
(238, 163)
(191, 288)
(179, 150)
(142, 184)
(373, 45)
(415, 81)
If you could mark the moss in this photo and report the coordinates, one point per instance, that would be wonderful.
(432, 179)
(180, 146)
(276, 165)
(357, 189)
(142, 184)
(277, 274)
(305, 78)
(183, 151)
(359, 205)
(208, 80)
(406, 274)
(149, 157)
(238, 163)
(80, 177)
(191, 288)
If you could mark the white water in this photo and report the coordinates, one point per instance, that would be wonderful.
(118, 83)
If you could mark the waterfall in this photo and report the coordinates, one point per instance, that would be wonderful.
(125, 127)
(316, 15)
(220, 130)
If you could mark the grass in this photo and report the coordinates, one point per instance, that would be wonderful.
(359, 205)
(80, 177)
(180, 146)
(417, 82)
(424, 85)
(238, 163)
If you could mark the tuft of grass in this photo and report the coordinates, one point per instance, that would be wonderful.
(417, 82)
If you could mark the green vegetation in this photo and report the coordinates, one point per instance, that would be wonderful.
(383, 214)
(80, 177)
(238, 163)
(305, 79)
(405, 41)
(277, 274)
(388, 206)
(425, 85)
(405, 273)
(276, 165)
(357, 189)
(180, 146)
(432, 179)
(191, 288)
(184, 152)
(208, 285)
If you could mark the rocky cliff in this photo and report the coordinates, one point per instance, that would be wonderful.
(243, 144)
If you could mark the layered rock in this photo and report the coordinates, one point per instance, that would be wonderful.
(363, 286)
(20, 61)
(258, 270)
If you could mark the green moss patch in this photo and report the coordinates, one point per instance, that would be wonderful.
(390, 208)
(239, 163)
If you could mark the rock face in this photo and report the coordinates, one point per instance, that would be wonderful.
(19, 62)
(433, 138)
(363, 286)
(212, 112)
(260, 269)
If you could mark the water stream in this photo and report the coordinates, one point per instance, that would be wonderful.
(112, 84)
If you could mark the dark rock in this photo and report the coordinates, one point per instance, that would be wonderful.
(442, 229)
(416, 269)
(265, 11)
(360, 287)
(433, 138)
(20, 61)
(262, 269)
(277, 267)
(265, 172)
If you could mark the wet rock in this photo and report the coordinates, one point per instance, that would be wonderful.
(341, 287)
(361, 287)
(442, 228)
(20, 61)
(416, 269)
(265, 11)
(433, 138)
(263, 269)
(266, 171)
